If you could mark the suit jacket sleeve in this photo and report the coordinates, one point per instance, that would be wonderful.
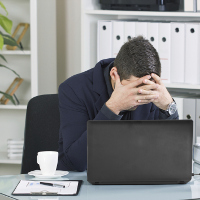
(163, 115)
(73, 128)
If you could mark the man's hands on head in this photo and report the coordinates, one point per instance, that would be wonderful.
(139, 92)
(164, 98)
(126, 97)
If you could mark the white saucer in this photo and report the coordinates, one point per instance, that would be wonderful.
(38, 174)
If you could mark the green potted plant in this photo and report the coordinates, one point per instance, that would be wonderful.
(6, 39)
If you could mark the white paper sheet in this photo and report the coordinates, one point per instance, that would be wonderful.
(29, 187)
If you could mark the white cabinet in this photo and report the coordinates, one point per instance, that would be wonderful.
(36, 64)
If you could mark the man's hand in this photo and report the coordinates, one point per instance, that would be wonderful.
(164, 98)
(125, 97)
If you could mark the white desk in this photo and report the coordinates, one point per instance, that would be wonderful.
(112, 192)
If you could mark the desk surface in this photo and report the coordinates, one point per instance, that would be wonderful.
(190, 190)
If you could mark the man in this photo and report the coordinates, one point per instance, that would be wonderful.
(126, 88)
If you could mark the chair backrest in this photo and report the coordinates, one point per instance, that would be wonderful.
(41, 129)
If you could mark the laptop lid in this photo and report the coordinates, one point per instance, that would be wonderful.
(139, 152)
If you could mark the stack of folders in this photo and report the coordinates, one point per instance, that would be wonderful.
(177, 43)
(192, 5)
(196, 151)
(189, 108)
(15, 148)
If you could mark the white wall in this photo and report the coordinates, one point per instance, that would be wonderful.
(68, 38)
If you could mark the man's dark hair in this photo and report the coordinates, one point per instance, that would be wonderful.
(137, 57)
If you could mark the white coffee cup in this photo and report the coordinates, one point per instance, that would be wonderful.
(47, 161)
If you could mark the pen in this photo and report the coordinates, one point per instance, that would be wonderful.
(52, 184)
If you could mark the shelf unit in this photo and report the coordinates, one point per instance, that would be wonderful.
(5, 160)
(142, 13)
(91, 13)
(14, 107)
(182, 86)
(16, 52)
(36, 64)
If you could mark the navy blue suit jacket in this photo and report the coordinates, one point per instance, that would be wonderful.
(81, 98)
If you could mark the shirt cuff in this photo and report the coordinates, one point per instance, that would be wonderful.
(109, 114)
(164, 115)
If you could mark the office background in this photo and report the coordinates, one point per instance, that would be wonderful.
(68, 38)
(68, 22)
(68, 34)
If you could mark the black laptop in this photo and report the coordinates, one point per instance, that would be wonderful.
(139, 152)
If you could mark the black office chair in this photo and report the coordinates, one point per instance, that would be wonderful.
(41, 129)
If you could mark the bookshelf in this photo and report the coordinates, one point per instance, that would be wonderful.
(16, 52)
(91, 13)
(5, 160)
(36, 64)
(142, 13)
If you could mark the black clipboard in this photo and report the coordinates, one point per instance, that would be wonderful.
(42, 193)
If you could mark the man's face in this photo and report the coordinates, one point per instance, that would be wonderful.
(131, 79)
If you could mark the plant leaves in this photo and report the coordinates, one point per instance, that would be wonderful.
(10, 70)
(6, 23)
(1, 42)
(9, 40)
(8, 97)
(2, 5)
(1, 56)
